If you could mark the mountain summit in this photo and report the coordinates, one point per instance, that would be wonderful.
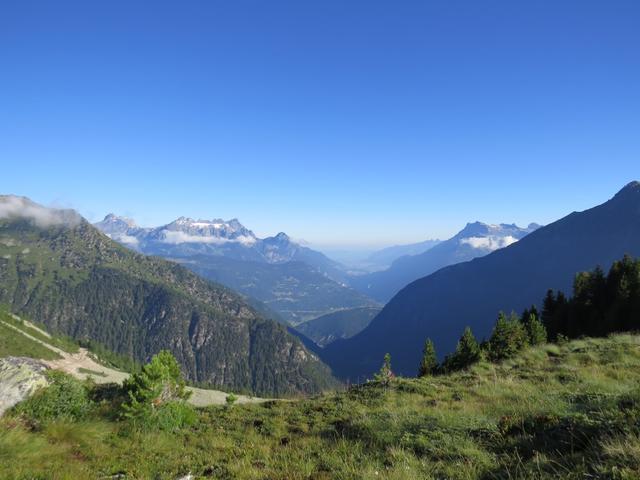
(439, 306)
(629, 191)
(229, 238)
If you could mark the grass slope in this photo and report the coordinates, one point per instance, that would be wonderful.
(14, 344)
(555, 411)
(37, 331)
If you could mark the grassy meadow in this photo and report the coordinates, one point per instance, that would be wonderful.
(554, 411)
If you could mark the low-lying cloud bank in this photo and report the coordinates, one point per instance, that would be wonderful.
(175, 237)
(20, 207)
(489, 243)
(124, 238)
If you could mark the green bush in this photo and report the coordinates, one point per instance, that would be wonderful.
(65, 398)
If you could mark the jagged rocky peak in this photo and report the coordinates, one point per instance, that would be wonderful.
(113, 223)
(481, 229)
(474, 228)
(113, 218)
(280, 248)
(282, 238)
(187, 223)
(488, 237)
(188, 230)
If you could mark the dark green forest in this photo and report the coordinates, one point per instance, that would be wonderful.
(601, 303)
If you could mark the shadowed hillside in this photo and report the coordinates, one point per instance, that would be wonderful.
(440, 305)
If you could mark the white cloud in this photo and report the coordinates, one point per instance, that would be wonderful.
(19, 207)
(124, 238)
(490, 243)
(175, 237)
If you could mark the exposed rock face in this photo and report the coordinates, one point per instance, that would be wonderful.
(19, 379)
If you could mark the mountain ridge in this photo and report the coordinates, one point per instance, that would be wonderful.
(440, 305)
(474, 240)
(215, 234)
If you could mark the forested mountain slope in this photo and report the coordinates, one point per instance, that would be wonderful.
(58, 269)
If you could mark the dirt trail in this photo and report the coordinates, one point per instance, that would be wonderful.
(81, 365)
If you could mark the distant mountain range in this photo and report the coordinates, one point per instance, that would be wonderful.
(440, 305)
(185, 237)
(474, 240)
(296, 282)
(338, 325)
(59, 270)
(384, 258)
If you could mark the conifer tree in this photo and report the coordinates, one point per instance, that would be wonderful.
(385, 374)
(508, 337)
(158, 383)
(467, 353)
(536, 332)
(429, 362)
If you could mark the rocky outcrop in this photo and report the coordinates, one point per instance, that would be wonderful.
(19, 379)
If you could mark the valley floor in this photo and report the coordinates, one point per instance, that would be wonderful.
(554, 411)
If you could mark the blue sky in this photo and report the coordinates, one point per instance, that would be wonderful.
(358, 123)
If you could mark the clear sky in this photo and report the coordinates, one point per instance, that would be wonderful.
(345, 123)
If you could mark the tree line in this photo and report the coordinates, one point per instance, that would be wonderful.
(601, 304)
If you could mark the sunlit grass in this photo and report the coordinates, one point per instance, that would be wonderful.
(569, 411)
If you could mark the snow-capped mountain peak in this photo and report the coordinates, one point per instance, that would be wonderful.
(487, 237)
(230, 238)
(216, 231)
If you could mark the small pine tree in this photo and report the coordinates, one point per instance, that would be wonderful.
(536, 332)
(159, 383)
(429, 362)
(385, 374)
(467, 353)
(508, 337)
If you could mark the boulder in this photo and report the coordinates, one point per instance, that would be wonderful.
(20, 378)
